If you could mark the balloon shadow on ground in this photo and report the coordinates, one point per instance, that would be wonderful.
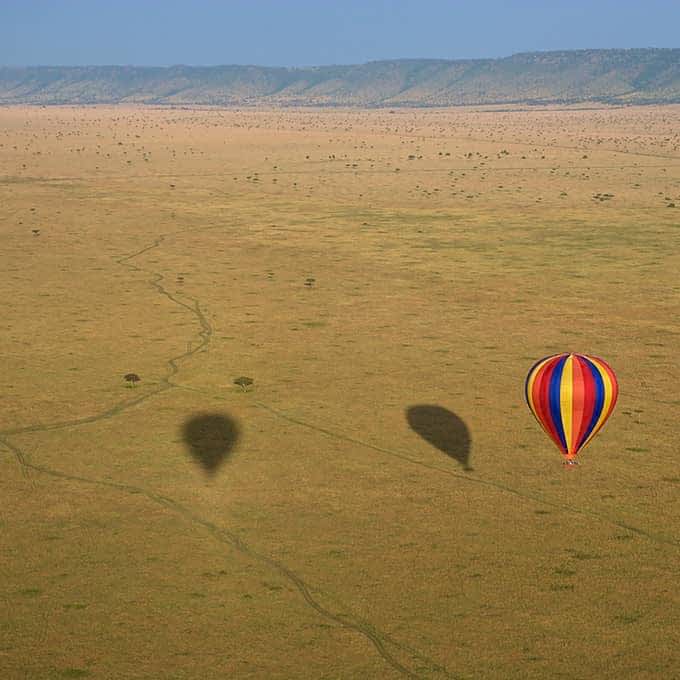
(443, 429)
(210, 437)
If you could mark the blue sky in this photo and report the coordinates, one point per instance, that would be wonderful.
(308, 32)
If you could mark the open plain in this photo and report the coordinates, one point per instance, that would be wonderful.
(379, 502)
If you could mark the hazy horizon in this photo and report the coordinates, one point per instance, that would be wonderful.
(302, 33)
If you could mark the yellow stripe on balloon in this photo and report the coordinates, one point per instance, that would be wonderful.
(566, 405)
(532, 380)
(608, 394)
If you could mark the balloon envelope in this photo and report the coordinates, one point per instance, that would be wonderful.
(571, 396)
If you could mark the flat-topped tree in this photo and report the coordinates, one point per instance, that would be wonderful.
(132, 378)
(243, 382)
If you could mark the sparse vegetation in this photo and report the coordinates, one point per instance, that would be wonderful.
(419, 294)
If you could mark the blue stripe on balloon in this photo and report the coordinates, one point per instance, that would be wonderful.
(554, 400)
(599, 399)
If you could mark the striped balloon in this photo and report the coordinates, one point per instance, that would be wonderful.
(571, 395)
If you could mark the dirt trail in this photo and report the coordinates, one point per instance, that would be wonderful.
(381, 641)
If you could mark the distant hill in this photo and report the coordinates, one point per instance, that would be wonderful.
(631, 76)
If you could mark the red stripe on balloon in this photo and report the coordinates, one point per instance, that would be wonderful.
(588, 400)
(577, 402)
(541, 396)
(539, 389)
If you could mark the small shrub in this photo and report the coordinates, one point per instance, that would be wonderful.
(243, 382)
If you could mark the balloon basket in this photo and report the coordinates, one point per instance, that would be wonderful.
(570, 463)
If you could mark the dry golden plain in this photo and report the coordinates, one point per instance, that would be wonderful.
(449, 249)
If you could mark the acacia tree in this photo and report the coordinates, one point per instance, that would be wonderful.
(132, 378)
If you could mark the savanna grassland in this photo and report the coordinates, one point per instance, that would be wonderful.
(379, 502)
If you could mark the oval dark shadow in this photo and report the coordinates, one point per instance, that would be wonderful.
(210, 437)
(443, 429)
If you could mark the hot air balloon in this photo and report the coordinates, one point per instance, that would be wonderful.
(571, 396)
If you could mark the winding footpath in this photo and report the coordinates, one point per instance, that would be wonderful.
(382, 642)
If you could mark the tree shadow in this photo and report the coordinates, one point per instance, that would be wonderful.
(443, 429)
(210, 438)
